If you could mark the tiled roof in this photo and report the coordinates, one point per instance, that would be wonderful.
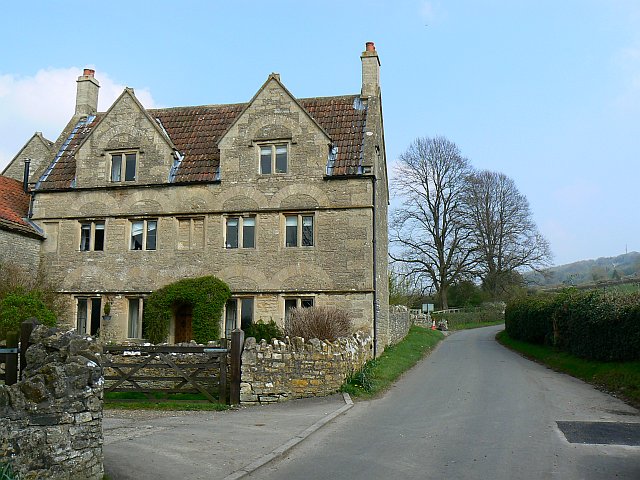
(14, 206)
(61, 173)
(344, 119)
(195, 132)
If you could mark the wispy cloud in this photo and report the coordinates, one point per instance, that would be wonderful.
(427, 11)
(45, 102)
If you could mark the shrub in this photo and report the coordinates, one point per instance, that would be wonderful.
(15, 308)
(530, 319)
(488, 312)
(588, 324)
(206, 295)
(264, 331)
(324, 323)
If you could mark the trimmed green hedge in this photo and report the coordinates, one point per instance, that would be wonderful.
(588, 324)
(17, 307)
(207, 297)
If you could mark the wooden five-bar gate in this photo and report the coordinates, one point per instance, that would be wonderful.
(213, 372)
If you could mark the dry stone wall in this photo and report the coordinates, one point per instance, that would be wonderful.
(297, 368)
(51, 421)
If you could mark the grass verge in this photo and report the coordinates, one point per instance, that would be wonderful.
(378, 374)
(467, 326)
(619, 378)
(180, 401)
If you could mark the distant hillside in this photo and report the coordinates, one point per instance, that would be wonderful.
(588, 271)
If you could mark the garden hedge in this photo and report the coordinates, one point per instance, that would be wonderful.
(17, 307)
(589, 324)
(207, 297)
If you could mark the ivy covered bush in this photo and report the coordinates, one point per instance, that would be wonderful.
(589, 324)
(16, 307)
(207, 297)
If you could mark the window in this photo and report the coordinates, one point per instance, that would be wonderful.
(295, 302)
(273, 158)
(91, 236)
(123, 165)
(299, 230)
(240, 232)
(144, 234)
(134, 324)
(88, 315)
(238, 308)
(190, 233)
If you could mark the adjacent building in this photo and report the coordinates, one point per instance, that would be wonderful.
(283, 198)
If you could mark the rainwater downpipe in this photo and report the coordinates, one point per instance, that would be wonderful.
(375, 275)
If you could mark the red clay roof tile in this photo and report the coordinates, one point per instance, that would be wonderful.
(195, 132)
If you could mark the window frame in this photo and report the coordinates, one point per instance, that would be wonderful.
(123, 169)
(241, 231)
(91, 238)
(299, 299)
(139, 319)
(273, 164)
(145, 234)
(91, 324)
(300, 230)
(239, 308)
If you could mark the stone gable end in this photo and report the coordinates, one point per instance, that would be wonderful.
(274, 116)
(125, 127)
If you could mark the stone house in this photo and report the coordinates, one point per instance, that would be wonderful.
(283, 198)
(20, 239)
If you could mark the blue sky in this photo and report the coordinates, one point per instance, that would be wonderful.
(547, 92)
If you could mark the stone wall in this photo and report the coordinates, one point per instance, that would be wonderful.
(295, 369)
(399, 323)
(20, 250)
(51, 421)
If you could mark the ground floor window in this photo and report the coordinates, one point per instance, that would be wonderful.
(134, 324)
(239, 313)
(295, 302)
(88, 315)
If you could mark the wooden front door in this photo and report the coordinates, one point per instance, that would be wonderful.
(183, 332)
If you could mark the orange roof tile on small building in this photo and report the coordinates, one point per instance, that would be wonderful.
(14, 207)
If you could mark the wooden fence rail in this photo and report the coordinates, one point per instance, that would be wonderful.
(171, 369)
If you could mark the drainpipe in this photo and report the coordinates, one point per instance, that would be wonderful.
(375, 276)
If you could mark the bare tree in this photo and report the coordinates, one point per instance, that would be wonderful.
(504, 233)
(430, 230)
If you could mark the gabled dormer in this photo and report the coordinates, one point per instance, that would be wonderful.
(126, 147)
(274, 136)
(38, 152)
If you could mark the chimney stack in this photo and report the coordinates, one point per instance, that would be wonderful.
(87, 93)
(370, 71)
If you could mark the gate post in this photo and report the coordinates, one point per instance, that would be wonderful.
(25, 334)
(11, 360)
(237, 344)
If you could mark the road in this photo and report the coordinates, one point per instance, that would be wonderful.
(473, 410)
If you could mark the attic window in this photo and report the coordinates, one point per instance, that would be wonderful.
(274, 158)
(123, 166)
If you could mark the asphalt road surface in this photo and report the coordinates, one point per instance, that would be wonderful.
(474, 410)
